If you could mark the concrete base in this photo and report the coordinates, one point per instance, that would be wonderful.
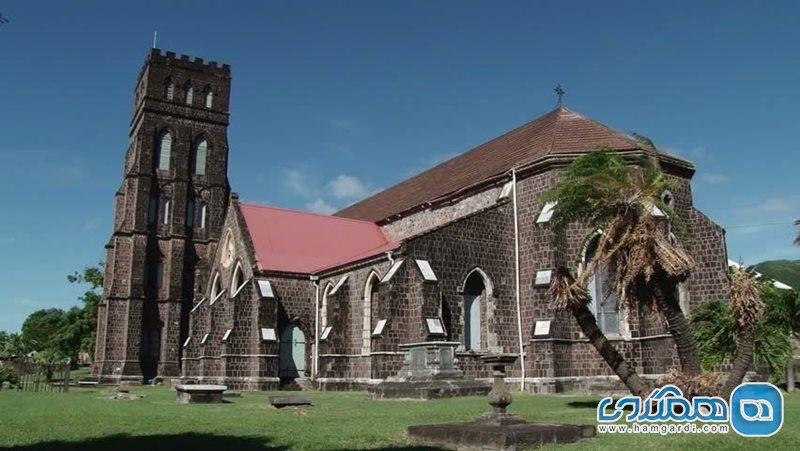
(435, 389)
(481, 435)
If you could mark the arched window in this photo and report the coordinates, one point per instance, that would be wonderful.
(200, 155)
(203, 215)
(189, 95)
(370, 300)
(323, 314)
(237, 282)
(152, 212)
(209, 99)
(164, 151)
(605, 303)
(215, 289)
(474, 296)
(165, 217)
(169, 89)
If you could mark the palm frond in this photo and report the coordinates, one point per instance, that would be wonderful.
(747, 307)
(566, 294)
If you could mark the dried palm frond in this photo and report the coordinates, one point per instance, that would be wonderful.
(747, 307)
(566, 294)
(704, 384)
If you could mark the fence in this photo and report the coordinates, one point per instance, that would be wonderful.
(42, 377)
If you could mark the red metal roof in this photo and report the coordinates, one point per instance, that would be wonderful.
(301, 242)
(561, 130)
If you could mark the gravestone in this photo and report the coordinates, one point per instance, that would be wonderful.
(280, 402)
(200, 393)
(430, 371)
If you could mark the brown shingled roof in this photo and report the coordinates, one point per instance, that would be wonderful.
(559, 131)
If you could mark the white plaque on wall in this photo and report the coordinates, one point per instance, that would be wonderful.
(542, 328)
(379, 328)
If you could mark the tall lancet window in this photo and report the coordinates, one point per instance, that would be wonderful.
(209, 99)
(164, 151)
(200, 155)
(189, 95)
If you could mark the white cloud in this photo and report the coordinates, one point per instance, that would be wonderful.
(715, 179)
(297, 182)
(347, 187)
(320, 206)
(773, 205)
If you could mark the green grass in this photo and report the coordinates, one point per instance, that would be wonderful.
(87, 420)
(80, 372)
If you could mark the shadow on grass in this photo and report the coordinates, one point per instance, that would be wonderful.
(583, 404)
(124, 442)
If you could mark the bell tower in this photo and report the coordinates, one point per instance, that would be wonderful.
(168, 216)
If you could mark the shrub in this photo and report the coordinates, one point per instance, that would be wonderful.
(7, 374)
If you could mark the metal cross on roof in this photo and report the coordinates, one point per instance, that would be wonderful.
(560, 93)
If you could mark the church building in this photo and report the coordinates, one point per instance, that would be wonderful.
(202, 286)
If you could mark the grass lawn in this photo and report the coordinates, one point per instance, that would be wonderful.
(88, 420)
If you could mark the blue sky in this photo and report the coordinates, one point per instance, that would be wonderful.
(332, 101)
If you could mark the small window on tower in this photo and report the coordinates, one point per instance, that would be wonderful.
(167, 211)
(189, 95)
(169, 91)
(203, 215)
(200, 155)
(164, 151)
(209, 99)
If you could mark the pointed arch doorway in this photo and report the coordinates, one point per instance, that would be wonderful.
(293, 352)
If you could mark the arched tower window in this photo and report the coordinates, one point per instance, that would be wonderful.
(203, 215)
(474, 297)
(164, 151)
(370, 301)
(605, 303)
(200, 156)
(169, 89)
(189, 95)
(209, 99)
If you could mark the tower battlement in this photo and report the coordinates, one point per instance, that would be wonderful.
(185, 62)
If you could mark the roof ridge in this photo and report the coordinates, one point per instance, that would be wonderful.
(309, 213)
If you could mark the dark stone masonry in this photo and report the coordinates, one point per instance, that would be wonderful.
(191, 294)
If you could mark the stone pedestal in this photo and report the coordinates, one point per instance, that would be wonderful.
(430, 371)
(498, 429)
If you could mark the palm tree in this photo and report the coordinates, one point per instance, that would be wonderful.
(636, 246)
(716, 332)
(569, 296)
(746, 309)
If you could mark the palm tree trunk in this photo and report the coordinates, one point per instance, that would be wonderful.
(677, 324)
(742, 361)
(608, 352)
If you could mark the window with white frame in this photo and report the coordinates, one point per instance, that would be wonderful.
(605, 302)
(216, 291)
(238, 281)
(167, 211)
(200, 157)
(164, 151)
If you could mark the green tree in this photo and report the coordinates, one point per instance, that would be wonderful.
(797, 237)
(14, 346)
(84, 328)
(43, 328)
(645, 264)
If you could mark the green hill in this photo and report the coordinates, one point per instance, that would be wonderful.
(786, 271)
